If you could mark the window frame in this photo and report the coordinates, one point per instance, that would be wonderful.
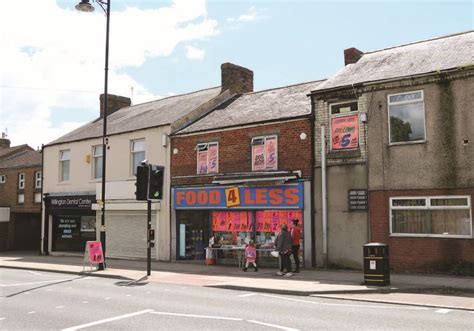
(61, 165)
(94, 160)
(265, 138)
(38, 180)
(132, 153)
(351, 113)
(18, 198)
(205, 147)
(390, 143)
(429, 207)
(21, 180)
(34, 197)
(3, 179)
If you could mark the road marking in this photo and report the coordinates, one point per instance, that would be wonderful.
(2, 318)
(128, 295)
(106, 320)
(48, 290)
(273, 325)
(247, 295)
(27, 293)
(107, 298)
(197, 316)
(32, 312)
(148, 292)
(59, 307)
(35, 273)
(85, 301)
(345, 305)
(33, 283)
(443, 311)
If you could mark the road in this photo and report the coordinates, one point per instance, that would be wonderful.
(40, 300)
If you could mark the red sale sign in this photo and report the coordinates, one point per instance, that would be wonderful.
(96, 254)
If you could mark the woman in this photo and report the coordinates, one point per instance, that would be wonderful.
(283, 246)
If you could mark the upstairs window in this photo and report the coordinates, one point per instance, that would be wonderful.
(21, 181)
(97, 159)
(207, 158)
(265, 153)
(38, 179)
(344, 125)
(64, 164)
(406, 112)
(3, 179)
(138, 154)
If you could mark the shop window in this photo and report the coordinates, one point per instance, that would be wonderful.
(232, 228)
(38, 179)
(3, 179)
(406, 112)
(37, 198)
(207, 158)
(97, 159)
(138, 153)
(21, 181)
(64, 164)
(344, 125)
(442, 216)
(265, 153)
(21, 198)
(71, 232)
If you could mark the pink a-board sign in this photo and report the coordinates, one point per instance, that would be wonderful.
(96, 254)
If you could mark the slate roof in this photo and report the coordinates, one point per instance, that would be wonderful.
(278, 103)
(151, 114)
(23, 159)
(6, 152)
(422, 57)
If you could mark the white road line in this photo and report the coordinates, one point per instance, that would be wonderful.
(273, 325)
(106, 298)
(27, 293)
(345, 305)
(33, 283)
(247, 295)
(35, 273)
(2, 318)
(32, 312)
(59, 307)
(106, 320)
(85, 302)
(443, 311)
(128, 295)
(148, 292)
(197, 316)
(48, 290)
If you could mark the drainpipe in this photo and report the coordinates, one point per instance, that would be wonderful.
(324, 195)
(312, 122)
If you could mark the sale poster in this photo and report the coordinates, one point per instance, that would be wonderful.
(260, 221)
(222, 221)
(215, 222)
(258, 157)
(275, 219)
(235, 221)
(213, 163)
(345, 132)
(96, 254)
(249, 222)
(272, 153)
(267, 221)
(243, 221)
(283, 217)
(202, 162)
(229, 222)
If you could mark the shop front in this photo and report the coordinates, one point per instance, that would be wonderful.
(227, 218)
(72, 222)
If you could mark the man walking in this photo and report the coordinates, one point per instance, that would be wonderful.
(283, 246)
(295, 244)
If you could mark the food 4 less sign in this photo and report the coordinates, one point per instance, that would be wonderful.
(281, 196)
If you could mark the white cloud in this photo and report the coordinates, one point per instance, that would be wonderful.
(252, 15)
(194, 53)
(53, 58)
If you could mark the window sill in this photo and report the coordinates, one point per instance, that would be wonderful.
(344, 154)
(408, 235)
(64, 183)
(407, 143)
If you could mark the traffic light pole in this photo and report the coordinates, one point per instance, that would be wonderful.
(148, 227)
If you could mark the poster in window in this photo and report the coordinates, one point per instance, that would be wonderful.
(213, 163)
(243, 221)
(267, 221)
(272, 153)
(345, 132)
(258, 157)
(229, 222)
(249, 222)
(283, 217)
(222, 221)
(215, 221)
(275, 217)
(202, 162)
(260, 221)
(235, 221)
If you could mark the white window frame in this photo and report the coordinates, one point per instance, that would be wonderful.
(132, 152)
(3, 179)
(61, 165)
(37, 194)
(265, 138)
(94, 160)
(22, 200)
(38, 179)
(21, 180)
(331, 116)
(429, 207)
(405, 103)
(205, 147)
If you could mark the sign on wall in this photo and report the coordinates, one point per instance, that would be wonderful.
(281, 196)
(358, 200)
(345, 132)
(80, 202)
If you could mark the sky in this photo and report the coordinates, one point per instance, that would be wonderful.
(52, 56)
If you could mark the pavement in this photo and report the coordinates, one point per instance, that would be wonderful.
(440, 291)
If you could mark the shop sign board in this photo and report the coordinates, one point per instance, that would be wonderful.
(79, 202)
(268, 197)
(358, 199)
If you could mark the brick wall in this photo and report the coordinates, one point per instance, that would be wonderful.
(9, 190)
(417, 253)
(235, 151)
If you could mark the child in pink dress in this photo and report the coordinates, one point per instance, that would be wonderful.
(250, 256)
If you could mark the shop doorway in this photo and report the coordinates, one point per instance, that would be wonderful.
(193, 234)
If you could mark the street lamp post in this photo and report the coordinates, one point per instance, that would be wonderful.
(85, 6)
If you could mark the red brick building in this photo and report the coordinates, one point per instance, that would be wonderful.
(241, 171)
(20, 197)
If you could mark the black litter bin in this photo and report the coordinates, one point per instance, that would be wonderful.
(376, 264)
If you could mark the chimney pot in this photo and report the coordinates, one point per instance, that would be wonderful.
(236, 79)
(352, 55)
(114, 103)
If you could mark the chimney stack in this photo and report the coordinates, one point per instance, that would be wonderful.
(352, 55)
(236, 79)
(114, 103)
(4, 142)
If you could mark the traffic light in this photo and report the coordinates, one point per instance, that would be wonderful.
(142, 182)
(156, 182)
